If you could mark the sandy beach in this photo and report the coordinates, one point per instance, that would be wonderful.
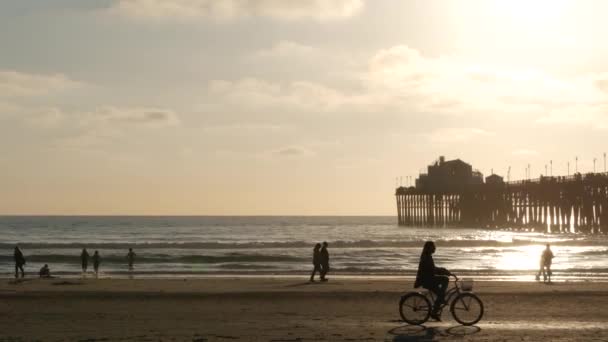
(286, 309)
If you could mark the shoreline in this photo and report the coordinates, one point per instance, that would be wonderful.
(285, 309)
(523, 277)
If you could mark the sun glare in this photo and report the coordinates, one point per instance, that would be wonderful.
(525, 258)
(537, 12)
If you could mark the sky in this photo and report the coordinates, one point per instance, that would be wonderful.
(273, 107)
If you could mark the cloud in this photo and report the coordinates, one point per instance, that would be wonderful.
(457, 135)
(594, 115)
(100, 126)
(245, 128)
(231, 9)
(44, 117)
(131, 115)
(400, 80)
(23, 95)
(459, 87)
(14, 84)
(292, 96)
(290, 152)
(525, 152)
(288, 49)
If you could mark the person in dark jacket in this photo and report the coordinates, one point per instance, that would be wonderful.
(19, 262)
(84, 260)
(431, 277)
(324, 261)
(316, 261)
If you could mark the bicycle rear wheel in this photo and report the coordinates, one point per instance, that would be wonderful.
(414, 308)
(467, 308)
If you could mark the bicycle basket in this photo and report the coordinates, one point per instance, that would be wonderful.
(466, 284)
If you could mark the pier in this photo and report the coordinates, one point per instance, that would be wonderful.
(451, 194)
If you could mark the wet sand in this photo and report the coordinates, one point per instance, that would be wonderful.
(286, 309)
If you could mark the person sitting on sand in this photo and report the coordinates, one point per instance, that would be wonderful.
(131, 258)
(432, 278)
(316, 261)
(19, 262)
(45, 272)
(96, 262)
(324, 261)
(84, 260)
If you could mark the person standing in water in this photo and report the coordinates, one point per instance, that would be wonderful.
(547, 260)
(131, 258)
(84, 260)
(316, 262)
(324, 261)
(19, 262)
(96, 262)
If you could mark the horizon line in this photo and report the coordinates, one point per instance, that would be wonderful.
(179, 215)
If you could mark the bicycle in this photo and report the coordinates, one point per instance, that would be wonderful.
(466, 308)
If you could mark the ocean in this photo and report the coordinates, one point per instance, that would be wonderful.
(201, 246)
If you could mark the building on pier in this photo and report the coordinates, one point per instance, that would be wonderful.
(453, 194)
(453, 175)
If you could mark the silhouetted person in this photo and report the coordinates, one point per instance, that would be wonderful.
(131, 258)
(432, 278)
(84, 260)
(546, 260)
(316, 261)
(45, 271)
(96, 261)
(19, 262)
(324, 261)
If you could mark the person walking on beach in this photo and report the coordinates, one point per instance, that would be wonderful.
(432, 278)
(84, 260)
(324, 261)
(96, 262)
(131, 258)
(19, 262)
(316, 262)
(546, 260)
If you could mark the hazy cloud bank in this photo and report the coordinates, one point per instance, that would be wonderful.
(232, 9)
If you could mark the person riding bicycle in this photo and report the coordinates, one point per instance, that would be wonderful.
(432, 278)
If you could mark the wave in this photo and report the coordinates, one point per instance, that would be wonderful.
(300, 244)
(160, 259)
(599, 252)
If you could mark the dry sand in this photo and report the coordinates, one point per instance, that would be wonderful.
(286, 309)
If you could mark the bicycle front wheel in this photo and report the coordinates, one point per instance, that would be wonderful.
(467, 308)
(414, 308)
